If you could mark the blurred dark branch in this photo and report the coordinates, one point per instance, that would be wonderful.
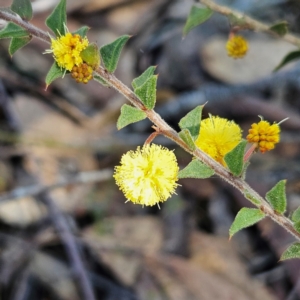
(80, 178)
(71, 246)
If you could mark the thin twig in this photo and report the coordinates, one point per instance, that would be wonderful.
(170, 133)
(33, 190)
(71, 246)
(252, 23)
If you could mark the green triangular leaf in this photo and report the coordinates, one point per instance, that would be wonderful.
(296, 215)
(235, 158)
(238, 21)
(91, 55)
(100, 80)
(196, 17)
(129, 114)
(196, 169)
(280, 28)
(139, 81)
(82, 31)
(251, 198)
(288, 58)
(110, 53)
(17, 43)
(12, 30)
(54, 73)
(57, 21)
(277, 198)
(297, 226)
(245, 218)
(185, 135)
(147, 92)
(23, 8)
(292, 251)
(191, 121)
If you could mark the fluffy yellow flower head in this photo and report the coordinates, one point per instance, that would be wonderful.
(148, 175)
(67, 48)
(217, 137)
(264, 135)
(237, 46)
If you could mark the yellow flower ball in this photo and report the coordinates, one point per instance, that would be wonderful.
(67, 48)
(237, 46)
(217, 137)
(265, 135)
(148, 175)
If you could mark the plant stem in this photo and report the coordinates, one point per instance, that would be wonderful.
(252, 23)
(170, 133)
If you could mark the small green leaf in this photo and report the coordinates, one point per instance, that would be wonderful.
(110, 53)
(147, 92)
(240, 22)
(276, 197)
(245, 218)
(100, 80)
(292, 251)
(234, 158)
(12, 30)
(129, 114)
(91, 55)
(288, 58)
(185, 135)
(296, 215)
(191, 121)
(54, 73)
(251, 198)
(139, 81)
(57, 21)
(297, 226)
(196, 17)
(82, 31)
(23, 8)
(17, 43)
(196, 169)
(280, 28)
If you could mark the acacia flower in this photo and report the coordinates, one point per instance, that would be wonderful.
(67, 48)
(264, 135)
(148, 175)
(217, 137)
(237, 46)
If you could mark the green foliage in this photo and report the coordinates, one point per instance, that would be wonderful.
(129, 114)
(100, 80)
(139, 81)
(234, 158)
(23, 8)
(292, 251)
(276, 197)
(240, 22)
(288, 58)
(91, 55)
(54, 73)
(12, 30)
(186, 136)
(196, 169)
(110, 53)
(57, 21)
(191, 121)
(17, 43)
(296, 215)
(297, 226)
(147, 92)
(245, 218)
(196, 17)
(251, 198)
(280, 28)
(82, 31)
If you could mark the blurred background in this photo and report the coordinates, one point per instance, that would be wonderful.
(60, 146)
